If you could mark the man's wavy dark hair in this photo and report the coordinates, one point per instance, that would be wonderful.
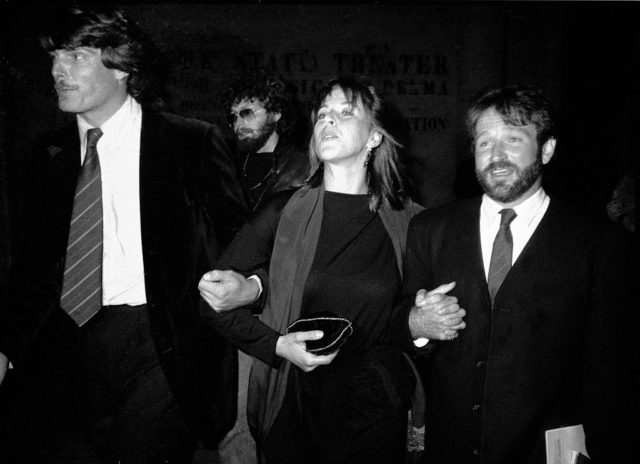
(518, 106)
(124, 45)
(271, 90)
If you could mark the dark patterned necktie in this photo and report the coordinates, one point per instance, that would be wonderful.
(502, 253)
(82, 285)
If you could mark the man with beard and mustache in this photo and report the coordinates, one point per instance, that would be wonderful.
(546, 291)
(262, 115)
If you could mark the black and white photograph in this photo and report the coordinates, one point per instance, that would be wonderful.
(323, 232)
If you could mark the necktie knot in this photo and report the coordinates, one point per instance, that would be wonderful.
(93, 135)
(508, 215)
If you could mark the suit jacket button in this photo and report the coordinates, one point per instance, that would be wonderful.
(476, 452)
(480, 364)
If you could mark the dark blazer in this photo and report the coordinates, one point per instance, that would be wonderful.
(190, 206)
(549, 354)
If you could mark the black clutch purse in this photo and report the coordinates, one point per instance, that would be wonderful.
(336, 330)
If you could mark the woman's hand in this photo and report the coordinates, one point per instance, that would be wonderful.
(227, 290)
(292, 347)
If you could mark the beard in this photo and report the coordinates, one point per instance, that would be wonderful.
(254, 141)
(504, 191)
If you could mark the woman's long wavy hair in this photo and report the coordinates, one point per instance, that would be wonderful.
(385, 173)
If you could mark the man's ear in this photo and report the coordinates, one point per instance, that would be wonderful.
(548, 149)
(276, 116)
(375, 139)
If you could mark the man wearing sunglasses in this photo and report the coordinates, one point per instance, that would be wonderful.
(262, 115)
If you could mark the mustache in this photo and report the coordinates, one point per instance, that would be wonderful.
(500, 165)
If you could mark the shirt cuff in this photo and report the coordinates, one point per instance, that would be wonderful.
(421, 342)
(257, 279)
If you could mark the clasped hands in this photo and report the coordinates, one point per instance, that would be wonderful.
(436, 315)
(227, 290)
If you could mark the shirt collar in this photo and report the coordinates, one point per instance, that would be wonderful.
(526, 211)
(120, 119)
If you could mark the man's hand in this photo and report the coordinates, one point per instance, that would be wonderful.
(293, 348)
(4, 366)
(227, 290)
(436, 315)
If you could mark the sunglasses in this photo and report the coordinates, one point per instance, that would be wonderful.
(246, 114)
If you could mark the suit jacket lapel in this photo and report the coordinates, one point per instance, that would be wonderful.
(461, 254)
(161, 192)
(153, 152)
(63, 167)
(538, 245)
(64, 153)
(149, 145)
(469, 241)
(538, 241)
(148, 141)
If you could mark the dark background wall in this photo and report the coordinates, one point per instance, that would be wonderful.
(428, 58)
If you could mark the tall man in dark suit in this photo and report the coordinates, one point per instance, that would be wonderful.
(545, 289)
(127, 208)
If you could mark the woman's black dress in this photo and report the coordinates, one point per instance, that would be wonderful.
(354, 409)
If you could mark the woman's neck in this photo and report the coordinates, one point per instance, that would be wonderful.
(343, 179)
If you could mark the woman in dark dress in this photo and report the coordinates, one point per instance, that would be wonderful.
(334, 245)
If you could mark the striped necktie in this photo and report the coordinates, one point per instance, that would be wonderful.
(82, 284)
(501, 254)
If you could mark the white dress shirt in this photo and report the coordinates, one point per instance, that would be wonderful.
(529, 214)
(119, 154)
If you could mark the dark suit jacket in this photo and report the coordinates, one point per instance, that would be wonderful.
(547, 355)
(190, 206)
